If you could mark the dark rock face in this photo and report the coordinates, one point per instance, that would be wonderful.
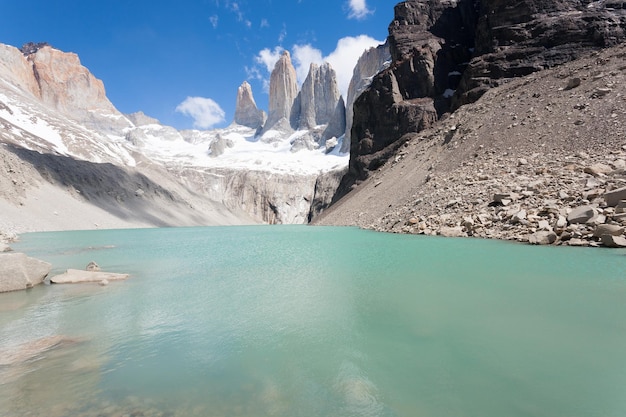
(447, 53)
(518, 38)
(32, 47)
(430, 43)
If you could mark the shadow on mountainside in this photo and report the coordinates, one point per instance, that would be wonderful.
(124, 193)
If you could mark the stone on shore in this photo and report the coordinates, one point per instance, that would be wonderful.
(75, 276)
(608, 229)
(613, 241)
(19, 272)
(581, 214)
(543, 237)
(613, 197)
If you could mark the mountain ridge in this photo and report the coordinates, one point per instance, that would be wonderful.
(52, 105)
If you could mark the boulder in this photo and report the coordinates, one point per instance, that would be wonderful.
(74, 276)
(598, 169)
(456, 231)
(93, 267)
(613, 197)
(19, 272)
(543, 237)
(613, 241)
(608, 229)
(581, 214)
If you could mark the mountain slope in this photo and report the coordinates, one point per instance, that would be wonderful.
(515, 164)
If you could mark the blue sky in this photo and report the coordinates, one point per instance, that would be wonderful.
(157, 55)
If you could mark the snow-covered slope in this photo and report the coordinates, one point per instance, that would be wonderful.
(237, 170)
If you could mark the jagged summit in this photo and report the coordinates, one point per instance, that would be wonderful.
(246, 111)
(317, 101)
(283, 91)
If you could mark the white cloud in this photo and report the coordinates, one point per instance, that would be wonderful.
(345, 56)
(205, 112)
(358, 9)
(214, 20)
(268, 57)
(302, 57)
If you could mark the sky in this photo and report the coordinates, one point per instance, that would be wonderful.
(182, 61)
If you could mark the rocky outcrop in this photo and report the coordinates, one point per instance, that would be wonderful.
(67, 86)
(518, 38)
(141, 119)
(325, 186)
(17, 70)
(373, 61)
(283, 91)
(428, 40)
(337, 125)
(246, 111)
(19, 272)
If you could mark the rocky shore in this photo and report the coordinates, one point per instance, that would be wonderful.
(539, 159)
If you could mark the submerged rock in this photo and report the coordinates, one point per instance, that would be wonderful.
(74, 276)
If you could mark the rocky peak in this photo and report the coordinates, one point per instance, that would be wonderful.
(317, 101)
(246, 111)
(141, 119)
(67, 86)
(283, 90)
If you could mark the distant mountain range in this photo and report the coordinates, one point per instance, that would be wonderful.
(259, 169)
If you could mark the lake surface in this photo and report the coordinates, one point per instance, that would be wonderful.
(315, 321)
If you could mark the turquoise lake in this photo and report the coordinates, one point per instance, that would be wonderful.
(316, 321)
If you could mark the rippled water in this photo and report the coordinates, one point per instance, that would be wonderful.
(315, 321)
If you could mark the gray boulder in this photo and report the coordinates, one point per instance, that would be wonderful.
(19, 272)
(615, 196)
(608, 229)
(543, 237)
(581, 214)
(613, 241)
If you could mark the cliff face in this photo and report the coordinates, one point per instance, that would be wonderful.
(318, 98)
(67, 86)
(448, 53)
(518, 38)
(369, 64)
